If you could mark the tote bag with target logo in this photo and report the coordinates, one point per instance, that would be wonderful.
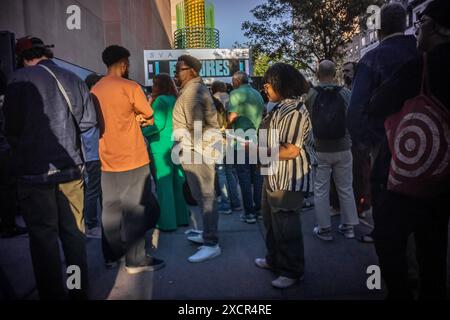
(419, 141)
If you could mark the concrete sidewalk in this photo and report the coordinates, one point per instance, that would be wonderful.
(335, 270)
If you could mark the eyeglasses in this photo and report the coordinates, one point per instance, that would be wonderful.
(266, 87)
(181, 69)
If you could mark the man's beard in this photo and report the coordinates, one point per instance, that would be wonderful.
(348, 81)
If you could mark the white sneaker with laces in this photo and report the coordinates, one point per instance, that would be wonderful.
(196, 239)
(205, 253)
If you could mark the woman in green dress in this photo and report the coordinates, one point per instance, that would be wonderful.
(169, 177)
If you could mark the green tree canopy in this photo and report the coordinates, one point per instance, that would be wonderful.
(303, 32)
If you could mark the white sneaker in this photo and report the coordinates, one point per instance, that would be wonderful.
(193, 231)
(284, 282)
(324, 234)
(262, 263)
(196, 239)
(205, 253)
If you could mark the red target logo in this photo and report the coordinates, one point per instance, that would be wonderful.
(419, 140)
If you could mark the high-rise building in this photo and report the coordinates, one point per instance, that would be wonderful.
(195, 25)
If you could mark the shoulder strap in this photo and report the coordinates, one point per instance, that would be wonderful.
(61, 89)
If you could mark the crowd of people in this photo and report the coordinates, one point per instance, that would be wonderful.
(83, 155)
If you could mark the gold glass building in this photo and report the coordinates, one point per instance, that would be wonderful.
(196, 25)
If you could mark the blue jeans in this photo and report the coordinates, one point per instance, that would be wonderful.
(249, 175)
(226, 177)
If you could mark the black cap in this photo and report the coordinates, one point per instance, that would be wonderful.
(439, 11)
(191, 61)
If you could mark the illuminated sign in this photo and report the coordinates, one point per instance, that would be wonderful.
(217, 64)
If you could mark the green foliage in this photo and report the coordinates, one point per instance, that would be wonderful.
(303, 32)
(261, 64)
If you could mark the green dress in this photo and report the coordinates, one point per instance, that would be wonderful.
(169, 177)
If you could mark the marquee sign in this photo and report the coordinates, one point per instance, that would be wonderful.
(217, 64)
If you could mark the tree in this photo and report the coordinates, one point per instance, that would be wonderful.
(261, 64)
(302, 32)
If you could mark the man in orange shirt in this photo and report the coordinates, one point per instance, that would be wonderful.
(128, 202)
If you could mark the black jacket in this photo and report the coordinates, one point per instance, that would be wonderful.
(40, 127)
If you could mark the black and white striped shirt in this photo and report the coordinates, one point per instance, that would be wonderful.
(291, 120)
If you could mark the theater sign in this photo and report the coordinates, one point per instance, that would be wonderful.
(217, 64)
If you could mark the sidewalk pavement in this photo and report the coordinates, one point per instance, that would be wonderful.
(334, 270)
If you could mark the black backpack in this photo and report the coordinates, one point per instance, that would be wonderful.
(328, 115)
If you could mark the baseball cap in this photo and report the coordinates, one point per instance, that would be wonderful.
(29, 42)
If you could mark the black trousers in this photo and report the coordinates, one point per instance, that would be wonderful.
(53, 212)
(396, 217)
(8, 193)
(284, 237)
(129, 207)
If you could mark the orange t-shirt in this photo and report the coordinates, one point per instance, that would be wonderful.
(121, 146)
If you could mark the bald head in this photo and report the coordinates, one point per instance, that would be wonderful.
(326, 71)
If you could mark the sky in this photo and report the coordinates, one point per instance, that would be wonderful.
(230, 14)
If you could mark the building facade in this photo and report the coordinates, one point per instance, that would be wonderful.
(367, 40)
(137, 25)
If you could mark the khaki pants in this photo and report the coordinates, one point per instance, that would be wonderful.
(340, 166)
(201, 180)
(53, 212)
